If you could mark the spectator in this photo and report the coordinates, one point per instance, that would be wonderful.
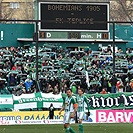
(14, 67)
(12, 80)
(19, 89)
(51, 111)
(2, 73)
(113, 84)
(119, 86)
(93, 89)
(28, 84)
(56, 89)
(49, 88)
(103, 91)
(131, 85)
(74, 89)
(104, 83)
(3, 87)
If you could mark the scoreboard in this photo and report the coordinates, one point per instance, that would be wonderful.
(73, 35)
(73, 20)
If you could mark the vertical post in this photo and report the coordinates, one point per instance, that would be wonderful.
(36, 37)
(0, 9)
(113, 47)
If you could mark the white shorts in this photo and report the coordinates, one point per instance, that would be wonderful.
(67, 118)
(80, 115)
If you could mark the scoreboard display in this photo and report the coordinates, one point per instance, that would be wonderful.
(60, 20)
(73, 35)
(74, 16)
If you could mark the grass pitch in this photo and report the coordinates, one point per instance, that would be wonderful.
(88, 128)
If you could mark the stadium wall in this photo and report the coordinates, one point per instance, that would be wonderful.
(10, 32)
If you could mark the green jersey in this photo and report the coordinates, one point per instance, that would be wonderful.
(81, 100)
(68, 103)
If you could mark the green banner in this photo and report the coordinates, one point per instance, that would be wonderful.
(6, 102)
(109, 101)
(42, 100)
(37, 100)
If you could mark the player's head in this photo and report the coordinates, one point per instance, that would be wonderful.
(69, 92)
(80, 91)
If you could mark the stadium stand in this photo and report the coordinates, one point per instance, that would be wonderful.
(62, 68)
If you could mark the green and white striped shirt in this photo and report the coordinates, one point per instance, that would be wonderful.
(68, 103)
(81, 100)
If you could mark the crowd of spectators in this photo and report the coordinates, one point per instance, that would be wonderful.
(62, 68)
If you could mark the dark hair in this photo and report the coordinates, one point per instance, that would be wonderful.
(69, 89)
(51, 104)
(81, 89)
